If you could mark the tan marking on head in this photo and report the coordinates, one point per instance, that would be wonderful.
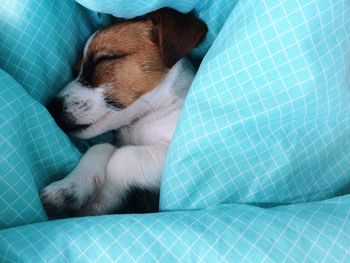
(139, 68)
(133, 57)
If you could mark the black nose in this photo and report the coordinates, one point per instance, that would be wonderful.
(55, 107)
(63, 119)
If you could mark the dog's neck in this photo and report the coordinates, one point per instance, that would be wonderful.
(166, 98)
(174, 86)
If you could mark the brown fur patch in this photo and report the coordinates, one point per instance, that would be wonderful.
(139, 67)
(130, 58)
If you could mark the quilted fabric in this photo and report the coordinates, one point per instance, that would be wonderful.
(39, 42)
(214, 13)
(314, 232)
(32, 153)
(265, 125)
(267, 121)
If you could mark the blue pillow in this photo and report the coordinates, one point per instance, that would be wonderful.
(39, 43)
(267, 119)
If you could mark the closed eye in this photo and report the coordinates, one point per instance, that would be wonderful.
(86, 76)
(109, 57)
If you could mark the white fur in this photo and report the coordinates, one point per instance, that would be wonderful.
(162, 105)
(105, 173)
(88, 42)
(85, 105)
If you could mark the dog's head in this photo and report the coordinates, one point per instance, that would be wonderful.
(123, 62)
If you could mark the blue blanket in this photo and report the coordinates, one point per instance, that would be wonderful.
(259, 168)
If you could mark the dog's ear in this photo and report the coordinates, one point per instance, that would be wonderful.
(176, 33)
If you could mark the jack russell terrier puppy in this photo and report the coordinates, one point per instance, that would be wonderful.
(133, 77)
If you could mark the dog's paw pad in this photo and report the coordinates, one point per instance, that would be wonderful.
(59, 196)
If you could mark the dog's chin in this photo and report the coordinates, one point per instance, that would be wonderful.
(87, 131)
(106, 123)
(77, 128)
(82, 133)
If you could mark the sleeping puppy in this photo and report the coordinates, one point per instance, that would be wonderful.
(133, 77)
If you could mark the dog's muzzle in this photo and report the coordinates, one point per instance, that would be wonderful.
(64, 120)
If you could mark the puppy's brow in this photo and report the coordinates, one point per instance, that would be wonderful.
(107, 57)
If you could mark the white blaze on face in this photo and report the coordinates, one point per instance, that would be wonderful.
(84, 104)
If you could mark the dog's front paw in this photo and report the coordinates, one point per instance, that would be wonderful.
(61, 195)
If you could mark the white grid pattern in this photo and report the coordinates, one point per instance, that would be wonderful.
(314, 232)
(39, 41)
(267, 112)
(37, 46)
(266, 123)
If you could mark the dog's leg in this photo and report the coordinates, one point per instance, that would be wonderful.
(139, 166)
(71, 192)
